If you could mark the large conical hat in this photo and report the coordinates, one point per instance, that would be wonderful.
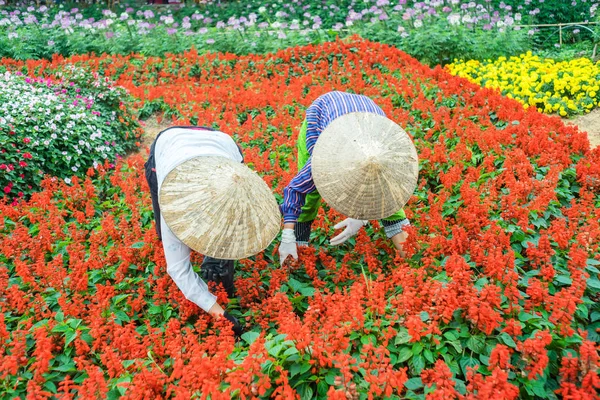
(219, 207)
(365, 166)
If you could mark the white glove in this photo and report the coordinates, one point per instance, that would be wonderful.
(288, 245)
(352, 227)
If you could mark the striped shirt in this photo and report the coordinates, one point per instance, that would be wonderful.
(319, 115)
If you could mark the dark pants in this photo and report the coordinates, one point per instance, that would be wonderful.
(212, 269)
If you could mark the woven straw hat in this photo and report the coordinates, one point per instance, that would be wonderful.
(365, 166)
(219, 207)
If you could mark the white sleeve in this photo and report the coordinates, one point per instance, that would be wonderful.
(180, 270)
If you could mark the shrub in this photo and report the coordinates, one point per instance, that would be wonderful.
(434, 32)
(59, 127)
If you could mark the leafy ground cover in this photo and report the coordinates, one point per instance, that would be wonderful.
(497, 297)
(434, 32)
(561, 87)
(59, 127)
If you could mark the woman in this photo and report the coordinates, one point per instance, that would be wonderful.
(367, 166)
(205, 199)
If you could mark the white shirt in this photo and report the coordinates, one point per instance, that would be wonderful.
(172, 148)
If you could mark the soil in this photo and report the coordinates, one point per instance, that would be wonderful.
(152, 128)
(589, 123)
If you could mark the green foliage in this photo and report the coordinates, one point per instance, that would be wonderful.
(59, 128)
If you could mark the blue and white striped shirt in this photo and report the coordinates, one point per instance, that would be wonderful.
(319, 115)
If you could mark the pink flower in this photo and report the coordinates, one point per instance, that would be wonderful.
(27, 156)
(26, 140)
(22, 163)
(7, 189)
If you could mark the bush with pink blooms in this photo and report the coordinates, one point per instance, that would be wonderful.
(59, 127)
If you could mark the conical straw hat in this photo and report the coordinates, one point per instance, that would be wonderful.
(219, 207)
(365, 166)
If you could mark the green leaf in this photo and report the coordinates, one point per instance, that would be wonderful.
(538, 388)
(417, 348)
(138, 245)
(476, 343)
(295, 285)
(274, 351)
(290, 351)
(60, 316)
(450, 335)
(70, 336)
(50, 386)
(305, 367)
(418, 363)
(405, 354)
(307, 291)
(413, 384)
(122, 316)
(402, 336)
(250, 337)
(61, 328)
(66, 367)
(466, 362)
(564, 279)
(507, 340)
(456, 344)
(428, 355)
(155, 310)
(366, 339)
(593, 283)
(322, 388)
(306, 392)
(295, 369)
(523, 316)
(460, 386)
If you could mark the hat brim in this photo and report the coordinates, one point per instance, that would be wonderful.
(365, 166)
(219, 207)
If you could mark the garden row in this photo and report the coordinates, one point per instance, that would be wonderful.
(435, 32)
(497, 297)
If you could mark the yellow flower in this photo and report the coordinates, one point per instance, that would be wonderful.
(532, 80)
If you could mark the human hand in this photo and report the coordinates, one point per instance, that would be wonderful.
(287, 247)
(352, 227)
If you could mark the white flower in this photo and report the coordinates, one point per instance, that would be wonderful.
(68, 180)
(418, 23)
(454, 19)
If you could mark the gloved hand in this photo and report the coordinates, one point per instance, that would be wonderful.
(238, 329)
(352, 227)
(288, 245)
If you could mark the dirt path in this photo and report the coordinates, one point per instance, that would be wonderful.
(589, 123)
(152, 128)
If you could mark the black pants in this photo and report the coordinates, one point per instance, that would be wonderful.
(212, 269)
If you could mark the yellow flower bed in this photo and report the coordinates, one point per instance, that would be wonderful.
(566, 87)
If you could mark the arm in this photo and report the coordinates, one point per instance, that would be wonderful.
(179, 268)
(295, 193)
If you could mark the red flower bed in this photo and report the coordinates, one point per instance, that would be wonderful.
(497, 298)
